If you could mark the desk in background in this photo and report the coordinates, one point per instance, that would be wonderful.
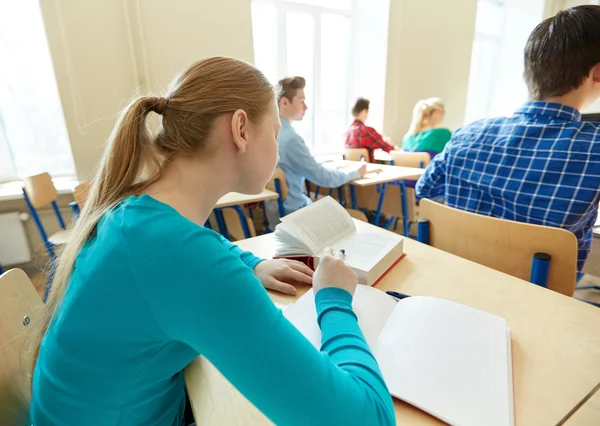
(555, 339)
(380, 175)
(236, 201)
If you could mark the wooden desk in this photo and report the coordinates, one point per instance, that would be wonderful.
(237, 199)
(382, 156)
(381, 173)
(385, 174)
(555, 339)
(588, 414)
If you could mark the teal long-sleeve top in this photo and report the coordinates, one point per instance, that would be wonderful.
(150, 292)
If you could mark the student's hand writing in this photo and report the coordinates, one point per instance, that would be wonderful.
(334, 272)
(282, 274)
(363, 170)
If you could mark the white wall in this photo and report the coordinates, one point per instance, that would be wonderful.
(106, 51)
(429, 53)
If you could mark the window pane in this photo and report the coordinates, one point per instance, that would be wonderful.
(30, 108)
(481, 76)
(335, 50)
(264, 31)
(332, 4)
(300, 62)
(490, 17)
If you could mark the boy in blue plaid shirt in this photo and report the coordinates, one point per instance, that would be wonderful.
(542, 165)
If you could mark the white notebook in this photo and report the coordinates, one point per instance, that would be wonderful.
(370, 251)
(447, 359)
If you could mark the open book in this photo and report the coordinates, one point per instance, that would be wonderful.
(447, 359)
(370, 251)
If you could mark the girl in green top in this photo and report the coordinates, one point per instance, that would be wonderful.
(143, 288)
(424, 133)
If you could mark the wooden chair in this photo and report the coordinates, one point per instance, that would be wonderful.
(234, 226)
(503, 245)
(80, 193)
(356, 154)
(20, 310)
(418, 160)
(39, 191)
(357, 214)
(278, 184)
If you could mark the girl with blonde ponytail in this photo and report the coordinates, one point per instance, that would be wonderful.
(425, 133)
(143, 288)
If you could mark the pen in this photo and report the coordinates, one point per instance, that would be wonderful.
(397, 295)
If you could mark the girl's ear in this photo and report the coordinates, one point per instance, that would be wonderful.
(239, 128)
(596, 73)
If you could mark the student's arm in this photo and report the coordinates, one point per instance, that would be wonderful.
(432, 184)
(300, 159)
(215, 304)
(377, 140)
(248, 258)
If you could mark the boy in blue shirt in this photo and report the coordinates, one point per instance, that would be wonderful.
(542, 165)
(295, 159)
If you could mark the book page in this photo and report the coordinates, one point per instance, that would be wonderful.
(367, 245)
(318, 225)
(449, 360)
(372, 307)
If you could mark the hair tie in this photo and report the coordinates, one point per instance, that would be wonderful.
(159, 105)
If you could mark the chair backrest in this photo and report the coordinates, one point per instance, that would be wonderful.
(80, 193)
(280, 176)
(40, 190)
(503, 245)
(20, 309)
(356, 154)
(410, 159)
(357, 214)
(234, 226)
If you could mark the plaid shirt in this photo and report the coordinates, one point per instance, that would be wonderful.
(540, 166)
(361, 136)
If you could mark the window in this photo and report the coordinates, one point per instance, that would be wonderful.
(484, 60)
(33, 133)
(502, 27)
(312, 39)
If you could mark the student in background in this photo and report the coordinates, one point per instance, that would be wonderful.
(542, 165)
(359, 135)
(295, 159)
(143, 288)
(424, 134)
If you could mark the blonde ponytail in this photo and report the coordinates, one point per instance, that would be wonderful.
(422, 112)
(134, 158)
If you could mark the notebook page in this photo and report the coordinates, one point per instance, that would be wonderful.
(319, 225)
(449, 360)
(372, 307)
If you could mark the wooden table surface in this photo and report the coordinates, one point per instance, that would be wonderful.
(381, 155)
(588, 414)
(235, 198)
(380, 173)
(555, 339)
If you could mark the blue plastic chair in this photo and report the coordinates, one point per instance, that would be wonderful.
(39, 191)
